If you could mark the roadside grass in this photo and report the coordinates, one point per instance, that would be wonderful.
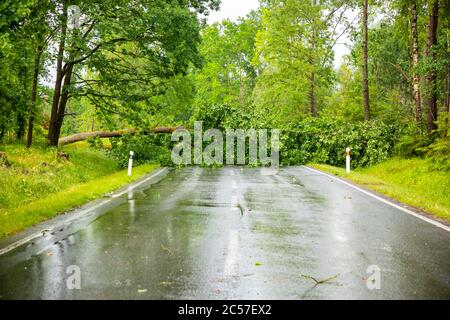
(410, 181)
(37, 185)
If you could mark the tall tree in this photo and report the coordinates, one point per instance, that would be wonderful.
(37, 63)
(447, 65)
(433, 14)
(295, 47)
(18, 29)
(364, 62)
(415, 63)
(43, 29)
(141, 43)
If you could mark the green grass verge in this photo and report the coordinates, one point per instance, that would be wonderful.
(37, 186)
(410, 181)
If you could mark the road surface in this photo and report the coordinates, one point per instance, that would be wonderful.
(233, 233)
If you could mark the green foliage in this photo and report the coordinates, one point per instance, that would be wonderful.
(5, 162)
(325, 141)
(138, 75)
(147, 148)
(225, 83)
(438, 154)
(222, 116)
(294, 46)
(40, 186)
(165, 160)
(96, 143)
(412, 145)
(37, 172)
(411, 181)
(23, 29)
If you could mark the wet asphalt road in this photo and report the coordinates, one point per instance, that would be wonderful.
(233, 233)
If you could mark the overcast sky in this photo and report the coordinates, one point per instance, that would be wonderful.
(233, 9)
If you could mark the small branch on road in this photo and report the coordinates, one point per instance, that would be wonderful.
(165, 249)
(320, 281)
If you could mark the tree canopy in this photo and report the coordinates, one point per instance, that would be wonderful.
(72, 66)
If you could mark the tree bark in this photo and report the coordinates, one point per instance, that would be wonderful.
(365, 66)
(447, 75)
(37, 62)
(415, 64)
(312, 95)
(431, 77)
(52, 137)
(109, 134)
(447, 98)
(63, 101)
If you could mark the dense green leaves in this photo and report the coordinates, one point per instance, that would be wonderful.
(324, 141)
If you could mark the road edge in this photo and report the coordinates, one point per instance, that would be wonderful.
(39, 230)
(416, 212)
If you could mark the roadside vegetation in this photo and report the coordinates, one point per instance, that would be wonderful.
(411, 181)
(37, 184)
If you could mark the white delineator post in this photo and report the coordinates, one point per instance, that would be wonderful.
(130, 163)
(347, 160)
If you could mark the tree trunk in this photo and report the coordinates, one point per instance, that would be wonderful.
(52, 137)
(447, 75)
(365, 66)
(37, 62)
(21, 120)
(312, 95)
(415, 64)
(63, 101)
(447, 98)
(431, 77)
(109, 134)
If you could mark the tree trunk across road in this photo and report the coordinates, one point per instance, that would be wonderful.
(107, 134)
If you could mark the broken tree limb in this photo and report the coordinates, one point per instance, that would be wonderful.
(318, 281)
(108, 134)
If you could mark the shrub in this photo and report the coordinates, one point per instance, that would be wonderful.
(325, 140)
(438, 154)
(150, 148)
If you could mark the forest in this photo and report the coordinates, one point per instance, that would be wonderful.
(132, 70)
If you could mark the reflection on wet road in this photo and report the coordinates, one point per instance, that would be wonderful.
(233, 233)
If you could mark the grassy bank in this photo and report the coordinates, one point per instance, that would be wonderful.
(36, 184)
(410, 181)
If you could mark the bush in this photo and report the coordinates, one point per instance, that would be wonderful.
(438, 154)
(150, 148)
(411, 145)
(324, 141)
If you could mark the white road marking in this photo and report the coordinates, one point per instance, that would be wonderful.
(233, 184)
(231, 262)
(68, 220)
(133, 186)
(433, 222)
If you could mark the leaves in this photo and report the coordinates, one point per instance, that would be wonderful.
(325, 140)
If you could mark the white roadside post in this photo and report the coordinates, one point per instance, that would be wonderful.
(347, 160)
(130, 163)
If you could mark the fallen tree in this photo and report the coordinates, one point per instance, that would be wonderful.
(108, 134)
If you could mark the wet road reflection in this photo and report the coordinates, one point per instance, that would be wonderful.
(233, 233)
